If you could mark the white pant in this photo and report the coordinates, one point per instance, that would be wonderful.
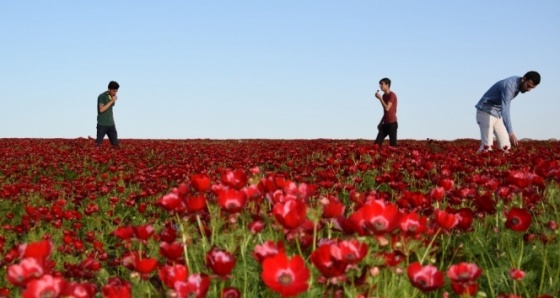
(489, 126)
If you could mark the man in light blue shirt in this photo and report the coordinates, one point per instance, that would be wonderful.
(492, 110)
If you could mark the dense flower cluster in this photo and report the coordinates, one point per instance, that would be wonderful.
(319, 218)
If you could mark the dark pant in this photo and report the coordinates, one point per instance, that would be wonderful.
(388, 129)
(110, 131)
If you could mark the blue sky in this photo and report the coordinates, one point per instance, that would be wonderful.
(273, 69)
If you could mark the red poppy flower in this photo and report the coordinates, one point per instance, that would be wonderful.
(350, 251)
(253, 193)
(171, 274)
(168, 234)
(172, 251)
(485, 203)
(466, 216)
(45, 286)
(437, 193)
(267, 249)
(464, 288)
(302, 191)
(288, 277)
(200, 182)
(446, 183)
(195, 203)
(464, 272)
(78, 290)
(144, 232)
(394, 258)
(520, 178)
(326, 263)
(117, 288)
(290, 214)
(230, 292)
(377, 217)
(412, 199)
(39, 250)
(256, 226)
(27, 269)
(446, 220)
(552, 225)
(232, 200)
(518, 219)
(463, 278)
(236, 179)
(220, 261)
(516, 274)
(413, 224)
(333, 208)
(170, 201)
(268, 183)
(196, 286)
(124, 233)
(145, 266)
(425, 278)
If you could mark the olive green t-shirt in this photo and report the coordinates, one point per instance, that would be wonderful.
(105, 118)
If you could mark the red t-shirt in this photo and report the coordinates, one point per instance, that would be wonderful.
(391, 115)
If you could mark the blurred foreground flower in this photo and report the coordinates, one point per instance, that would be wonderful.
(463, 278)
(518, 219)
(288, 277)
(425, 278)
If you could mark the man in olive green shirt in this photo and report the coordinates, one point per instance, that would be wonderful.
(105, 121)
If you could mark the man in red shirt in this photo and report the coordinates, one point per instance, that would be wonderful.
(388, 124)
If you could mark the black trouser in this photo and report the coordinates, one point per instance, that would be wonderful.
(110, 131)
(389, 129)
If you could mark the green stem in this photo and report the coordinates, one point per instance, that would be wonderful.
(488, 277)
(298, 246)
(543, 272)
(184, 240)
(202, 233)
(221, 289)
(430, 246)
(246, 279)
(315, 234)
(329, 230)
(520, 253)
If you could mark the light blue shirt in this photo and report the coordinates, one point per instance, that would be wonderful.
(497, 100)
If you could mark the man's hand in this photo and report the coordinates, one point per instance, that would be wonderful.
(513, 139)
(114, 98)
(378, 95)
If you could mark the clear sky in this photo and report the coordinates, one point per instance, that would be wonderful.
(273, 69)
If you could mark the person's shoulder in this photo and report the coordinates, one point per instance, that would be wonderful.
(103, 97)
(507, 82)
(512, 79)
(511, 82)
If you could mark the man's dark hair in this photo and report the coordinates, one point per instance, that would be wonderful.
(113, 85)
(386, 81)
(533, 76)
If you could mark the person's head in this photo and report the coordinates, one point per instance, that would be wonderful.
(529, 81)
(384, 84)
(113, 88)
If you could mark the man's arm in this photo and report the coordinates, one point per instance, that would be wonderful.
(508, 93)
(386, 106)
(104, 107)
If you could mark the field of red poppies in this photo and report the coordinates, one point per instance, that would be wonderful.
(270, 218)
